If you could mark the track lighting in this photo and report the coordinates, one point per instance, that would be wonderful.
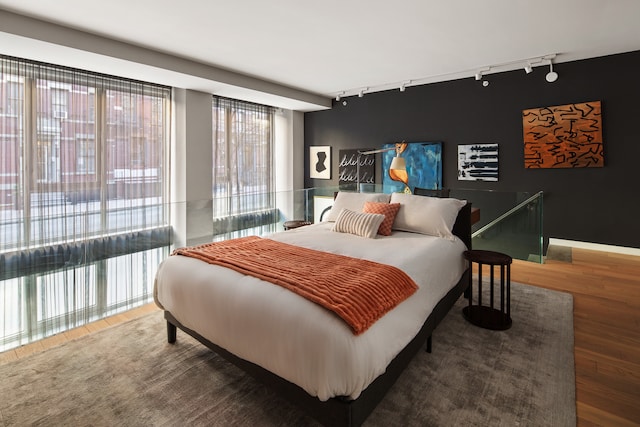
(479, 74)
(552, 76)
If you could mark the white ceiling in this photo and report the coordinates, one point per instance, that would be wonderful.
(330, 46)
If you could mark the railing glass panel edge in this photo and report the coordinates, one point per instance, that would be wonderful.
(89, 263)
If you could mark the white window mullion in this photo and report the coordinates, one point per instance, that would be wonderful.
(101, 147)
(29, 136)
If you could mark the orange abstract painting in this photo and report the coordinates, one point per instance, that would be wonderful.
(564, 136)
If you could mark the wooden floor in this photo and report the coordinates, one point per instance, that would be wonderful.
(606, 290)
(72, 334)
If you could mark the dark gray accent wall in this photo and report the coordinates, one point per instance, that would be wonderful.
(598, 205)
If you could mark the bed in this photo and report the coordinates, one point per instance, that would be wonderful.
(307, 353)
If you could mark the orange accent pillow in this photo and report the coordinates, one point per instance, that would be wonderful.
(389, 210)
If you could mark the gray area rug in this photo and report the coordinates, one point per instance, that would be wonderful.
(128, 375)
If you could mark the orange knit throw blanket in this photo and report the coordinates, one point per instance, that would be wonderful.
(359, 291)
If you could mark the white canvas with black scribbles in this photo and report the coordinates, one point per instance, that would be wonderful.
(478, 162)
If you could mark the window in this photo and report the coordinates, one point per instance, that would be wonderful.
(14, 100)
(59, 103)
(83, 179)
(86, 157)
(98, 150)
(137, 151)
(46, 155)
(242, 158)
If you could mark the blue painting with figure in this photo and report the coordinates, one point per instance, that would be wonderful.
(423, 167)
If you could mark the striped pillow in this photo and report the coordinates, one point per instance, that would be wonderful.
(389, 210)
(360, 224)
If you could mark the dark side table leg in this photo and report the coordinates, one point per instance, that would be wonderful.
(509, 291)
(479, 283)
(502, 289)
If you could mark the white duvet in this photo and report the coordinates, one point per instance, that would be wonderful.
(295, 338)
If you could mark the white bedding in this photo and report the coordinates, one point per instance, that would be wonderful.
(295, 338)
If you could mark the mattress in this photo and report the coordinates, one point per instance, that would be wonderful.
(295, 338)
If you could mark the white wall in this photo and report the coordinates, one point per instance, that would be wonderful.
(191, 171)
(289, 163)
(289, 150)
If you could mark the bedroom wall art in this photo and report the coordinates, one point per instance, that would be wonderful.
(320, 162)
(423, 167)
(478, 162)
(348, 167)
(563, 136)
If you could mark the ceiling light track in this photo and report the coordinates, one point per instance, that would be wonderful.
(527, 64)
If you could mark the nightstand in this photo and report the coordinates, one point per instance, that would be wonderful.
(290, 225)
(490, 317)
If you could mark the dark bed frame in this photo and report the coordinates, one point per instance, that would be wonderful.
(342, 411)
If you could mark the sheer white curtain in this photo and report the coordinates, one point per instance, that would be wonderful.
(242, 164)
(82, 169)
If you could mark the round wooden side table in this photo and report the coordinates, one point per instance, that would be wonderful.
(490, 317)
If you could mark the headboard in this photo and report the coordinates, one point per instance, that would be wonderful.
(462, 226)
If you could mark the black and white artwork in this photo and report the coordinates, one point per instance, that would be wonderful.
(353, 162)
(320, 162)
(478, 162)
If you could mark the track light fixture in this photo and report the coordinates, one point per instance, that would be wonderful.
(403, 85)
(551, 76)
(479, 74)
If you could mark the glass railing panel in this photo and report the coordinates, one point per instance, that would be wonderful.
(73, 270)
(510, 222)
(250, 217)
(47, 302)
(48, 285)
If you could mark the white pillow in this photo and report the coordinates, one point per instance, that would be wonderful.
(426, 215)
(354, 202)
(360, 224)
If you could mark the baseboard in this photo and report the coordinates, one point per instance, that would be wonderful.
(594, 246)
